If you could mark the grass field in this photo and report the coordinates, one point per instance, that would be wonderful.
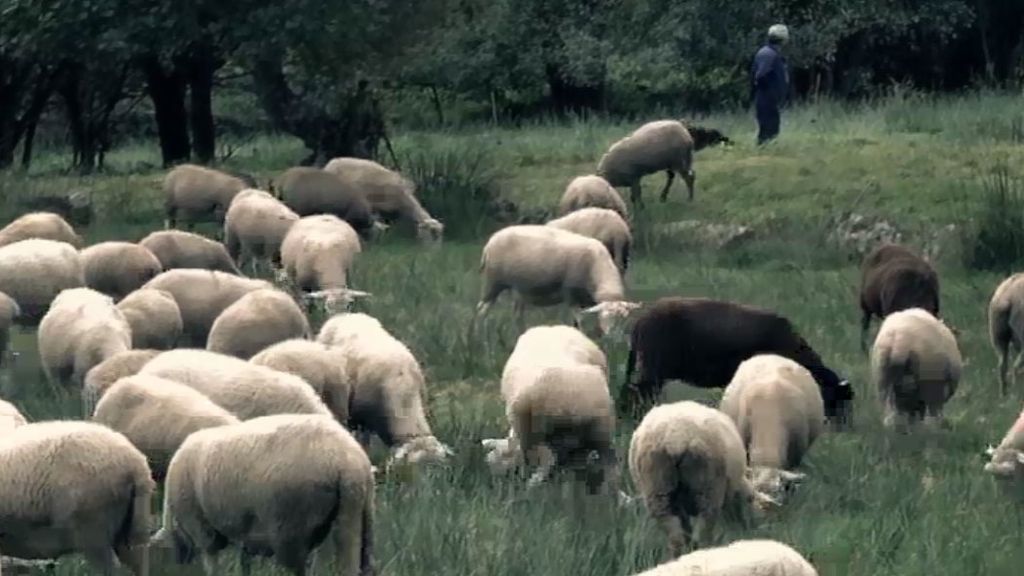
(875, 503)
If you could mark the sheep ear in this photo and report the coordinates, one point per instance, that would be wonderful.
(794, 477)
(489, 443)
(1020, 457)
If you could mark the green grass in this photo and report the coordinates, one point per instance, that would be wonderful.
(875, 503)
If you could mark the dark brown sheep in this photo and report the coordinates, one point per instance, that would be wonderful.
(894, 278)
(309, 191)
(702, 341)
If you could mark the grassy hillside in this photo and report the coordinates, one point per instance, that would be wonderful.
(875, 503)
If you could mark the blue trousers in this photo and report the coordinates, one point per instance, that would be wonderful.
(766, 108)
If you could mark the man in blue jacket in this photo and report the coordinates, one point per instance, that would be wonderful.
(769, 83)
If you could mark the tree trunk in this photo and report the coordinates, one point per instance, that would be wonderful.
(167, 91)
(204, 65)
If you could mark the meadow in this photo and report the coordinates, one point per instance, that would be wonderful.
(875, 502)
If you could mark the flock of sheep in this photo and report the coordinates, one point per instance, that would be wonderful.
(192, 373)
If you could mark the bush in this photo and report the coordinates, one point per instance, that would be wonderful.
(996, 238)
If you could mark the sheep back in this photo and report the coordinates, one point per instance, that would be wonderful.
(655, 146)
(256, 223)
(45, 225)
(193, 192)
(154, 317)
(34, 271)
(10, 418)
(318, 252)
(81, 329)
(740, 558)
(895, 278)
(591, 191)
(181, 249)
(103, 375)
(308, 191)
(118, 268)
(603, 225)
(257, 320)
(321, 366)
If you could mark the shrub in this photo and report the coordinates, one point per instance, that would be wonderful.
(996, 237)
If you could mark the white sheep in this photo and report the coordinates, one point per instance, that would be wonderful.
(603, 225)
(779, 412)
(688, 462)
(9, 311)
(388, 390)
(202, 295)
(117, 268)
(10, 418)
(103, 375)
(274, 486)
(154, 317)
(546, 266)
(81, 329)
(660, 145)
(180, 249)
(254, 226)
(317, 256)
(320, 365)
(193, 193)
(156, 415)
(1006, 325)
(75, 487)
(34, 271)
(246, 390)
(388, 193)
(560, 412)
(915, 364)
(257, 320)
(46, 225)
(591, 190)
(308, 190)
(739, 558)
(1006, 461)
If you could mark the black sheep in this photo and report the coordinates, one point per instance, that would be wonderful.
(702, 341)
(894, 278)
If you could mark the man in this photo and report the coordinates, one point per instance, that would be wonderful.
(769, 81)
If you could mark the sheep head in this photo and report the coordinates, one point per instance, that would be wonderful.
(774, 483)
(704, 137)
(430, 230)
(611, 315)
(336, 299)
(1005, 461)
(420, 450)
(501, 457)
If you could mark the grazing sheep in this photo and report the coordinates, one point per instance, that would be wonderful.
(1006, 326)
(156, 415)
(274, 486)
(194, 193)
(246, 390)
(894, 278)
(10, 418)
(388, 193)
(257, 320)
(555, 387)
(703, 341)
(778, 411)
(320, 365)
(317, 256)
(688, 462)
(916, 365)
(591, 191)
(154, 317)
(546, 266)
(309, 191)
(34, 271)
(45, 225)
(661, 145)
(180, 249)
(75, 487)
(103, 375)
(1007, 459)
(254, 227)
(739, 558)
(117, 268)
(388, 390)
(201, 296)
(82, 329)
(603, 225)
(9, 311)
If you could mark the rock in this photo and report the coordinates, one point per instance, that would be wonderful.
(707, 234)
(859, 234)
(943, 242)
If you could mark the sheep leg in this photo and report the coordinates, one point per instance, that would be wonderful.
(1004, 352)
(519, 306)
(865, 324)
(1017, 365)
(136, 558)
(244, 562)
(635, 195)
(211, 563)
(102, 559)
(690, 177)
(677, 528)
(668, 184)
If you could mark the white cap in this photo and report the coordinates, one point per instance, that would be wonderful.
(779, 32)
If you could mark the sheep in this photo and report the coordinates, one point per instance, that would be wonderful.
(257, 320)
(202, 295)
(388, 193)
(154, 317)
(308, 191)
(688, 463)
(1005, 326)
(34, 271)
(739, 558)
(255, 225)
(45, 225)
(603, 225)
(779, 413)
(703, 341)
(593, 191)
(10, 418)
(1006, 461)
(317, 256)
(274, 486)
(193, 193)
(388, 390)
(9, 312)
(916, 365)
(81, 329)
(547, 266)
(103, 375)
(117, 268)
(75, 487)
(180, 249)
(555, 387)
(246, 390)
(156, 415)
(320, 365)
(894, 278)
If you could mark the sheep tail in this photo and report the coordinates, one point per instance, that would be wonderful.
(366, 538)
